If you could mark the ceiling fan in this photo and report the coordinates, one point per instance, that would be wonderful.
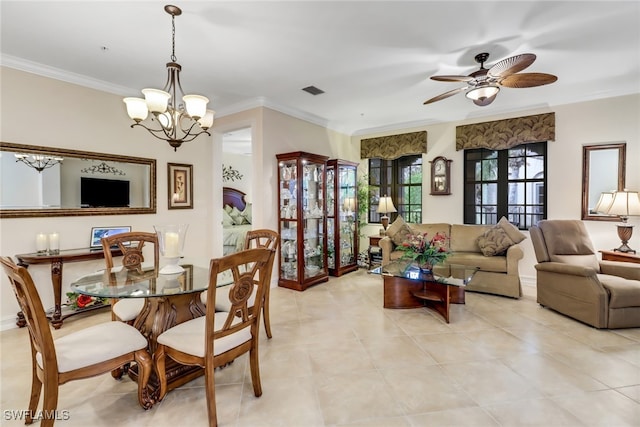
(483, 85)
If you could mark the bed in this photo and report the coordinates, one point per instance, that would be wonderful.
(236, 219)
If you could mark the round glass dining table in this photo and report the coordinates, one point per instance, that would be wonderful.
(169, 299)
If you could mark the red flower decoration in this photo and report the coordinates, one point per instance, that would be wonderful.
(83, 301)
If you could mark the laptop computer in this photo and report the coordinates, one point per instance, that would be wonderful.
(97, 233)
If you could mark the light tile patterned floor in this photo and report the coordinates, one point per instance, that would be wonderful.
(338, 358)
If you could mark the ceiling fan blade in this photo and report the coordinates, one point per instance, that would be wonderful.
(511, 65)
(452, 78)
(444, 95)
(486, 101)
(527, 80)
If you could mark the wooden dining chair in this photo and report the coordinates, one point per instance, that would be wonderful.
(218, 338)
(86, 353)
(262, 238)
(131, 244)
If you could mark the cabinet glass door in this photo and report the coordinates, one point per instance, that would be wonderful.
(313, 218)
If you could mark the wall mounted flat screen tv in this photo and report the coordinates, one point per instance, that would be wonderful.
(104, 193)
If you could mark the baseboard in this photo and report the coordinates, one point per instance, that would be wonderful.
(8, 322)
(528, 281)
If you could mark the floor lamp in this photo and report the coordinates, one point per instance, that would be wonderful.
(624, 204)
(384, 207)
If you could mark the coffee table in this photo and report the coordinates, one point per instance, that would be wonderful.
(407, 286)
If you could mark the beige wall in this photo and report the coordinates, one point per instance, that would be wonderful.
(74, 117)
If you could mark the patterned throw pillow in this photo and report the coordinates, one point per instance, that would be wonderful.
(494, 241)
(402, 235)
(395, 227)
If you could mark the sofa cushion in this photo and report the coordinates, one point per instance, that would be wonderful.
(496, 264)
(512, 231)
(494, 241)
(464, 237)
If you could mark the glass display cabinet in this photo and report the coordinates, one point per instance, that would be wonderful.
(342, 211)
(302, 220)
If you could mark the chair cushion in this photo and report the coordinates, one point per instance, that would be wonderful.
(568, 242)
(96, 344)
(128, 309)
(624, 292)
(188, 337)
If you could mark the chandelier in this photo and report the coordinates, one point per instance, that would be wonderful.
(38, 161)
(176, 123)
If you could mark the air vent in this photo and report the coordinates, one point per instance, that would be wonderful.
(313, 90)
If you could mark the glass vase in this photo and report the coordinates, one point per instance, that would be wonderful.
(171, 242)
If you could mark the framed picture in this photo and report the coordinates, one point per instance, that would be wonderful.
(440, 176)
(180, 186)
(97, 233)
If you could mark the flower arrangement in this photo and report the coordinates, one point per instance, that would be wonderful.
(77, 301)
(426, 252)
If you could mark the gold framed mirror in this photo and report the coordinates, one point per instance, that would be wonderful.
(44, 181)
(603, 170)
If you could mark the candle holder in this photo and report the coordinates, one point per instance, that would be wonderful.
(41, 244)
(54, 244)
(171, 242)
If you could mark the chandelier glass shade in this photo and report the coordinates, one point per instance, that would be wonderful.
(38, 161)
(176, 122)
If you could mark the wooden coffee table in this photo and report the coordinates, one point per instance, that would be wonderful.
(406, 286)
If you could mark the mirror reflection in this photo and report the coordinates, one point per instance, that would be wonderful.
(41, 181)
(603, 171)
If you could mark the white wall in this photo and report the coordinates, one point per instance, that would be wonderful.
(73, 117)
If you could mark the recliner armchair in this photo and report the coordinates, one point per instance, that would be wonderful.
(573, 281)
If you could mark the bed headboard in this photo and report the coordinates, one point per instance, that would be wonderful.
(233, 198)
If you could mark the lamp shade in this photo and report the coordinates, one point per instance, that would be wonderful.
(157, 100)
(386, 205)
(604, 202)
(195, 105)
(136, 108)
(625, 203)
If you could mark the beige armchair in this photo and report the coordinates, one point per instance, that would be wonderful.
(572, 281)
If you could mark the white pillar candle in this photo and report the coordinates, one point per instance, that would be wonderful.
(41, 242)
(54, 242)
(171, 242)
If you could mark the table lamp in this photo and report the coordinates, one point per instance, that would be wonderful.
(384, 207)
(624, 204)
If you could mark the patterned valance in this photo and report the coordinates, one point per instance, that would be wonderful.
(503, 134)
(393, 146)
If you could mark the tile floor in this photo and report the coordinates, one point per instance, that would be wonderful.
(338, 358)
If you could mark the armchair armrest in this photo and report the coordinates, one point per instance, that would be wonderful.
(561, 268)
(386, 246)
(622, 269)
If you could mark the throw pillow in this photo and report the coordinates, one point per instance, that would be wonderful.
(494, 241)
(512, 231)
(226, 219)
(402, 235)
(395, 227)
(246, 214)
(236, 215)
(228, 208)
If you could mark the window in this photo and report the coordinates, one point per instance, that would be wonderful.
(401, 179)
(510, 183)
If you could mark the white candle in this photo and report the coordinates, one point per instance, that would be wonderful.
(41, 242)
(171, 241)
(54, 242)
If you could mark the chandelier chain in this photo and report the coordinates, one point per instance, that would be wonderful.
(173, 38)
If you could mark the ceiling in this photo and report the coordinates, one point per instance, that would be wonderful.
(372, 58)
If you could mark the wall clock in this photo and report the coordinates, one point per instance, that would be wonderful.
(440, 176)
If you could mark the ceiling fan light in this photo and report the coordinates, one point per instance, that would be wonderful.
(195, 105)
(157, 100)
(136, 108)
(482, 92)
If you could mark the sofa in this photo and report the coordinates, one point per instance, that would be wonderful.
(494, 249)
(573, 281)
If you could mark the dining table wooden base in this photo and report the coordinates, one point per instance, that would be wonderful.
(158, 315)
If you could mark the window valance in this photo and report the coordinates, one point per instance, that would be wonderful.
(393, 146)
(503, 134)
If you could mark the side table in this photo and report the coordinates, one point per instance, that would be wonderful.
(56, 261)
(620, 256)
(374, 242)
